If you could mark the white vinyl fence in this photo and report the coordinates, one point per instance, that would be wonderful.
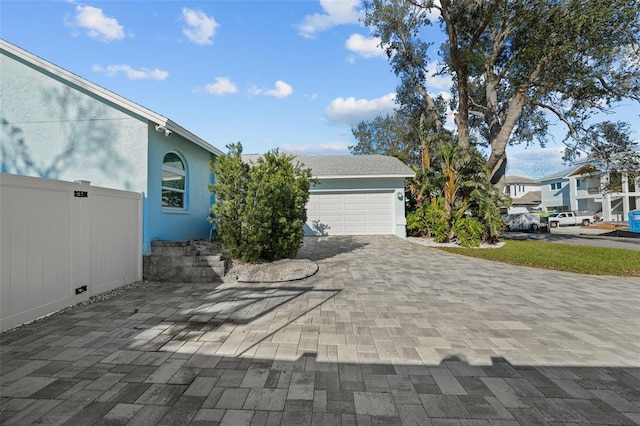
(63, 242)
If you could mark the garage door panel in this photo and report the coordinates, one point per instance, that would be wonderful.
(350, 213)
(382, 196)
(330, 197)
(355, 206)
(329, 207)
(354, 195)
(330, 218)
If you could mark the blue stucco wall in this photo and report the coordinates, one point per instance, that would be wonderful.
(52, 130)
(169, 224)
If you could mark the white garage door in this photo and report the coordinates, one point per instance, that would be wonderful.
(350, 213)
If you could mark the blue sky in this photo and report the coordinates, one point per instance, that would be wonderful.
(294, 75)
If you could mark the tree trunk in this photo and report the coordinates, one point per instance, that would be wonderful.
(497, 161)
(458, 65)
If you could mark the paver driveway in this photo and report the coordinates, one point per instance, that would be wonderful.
(387, 332)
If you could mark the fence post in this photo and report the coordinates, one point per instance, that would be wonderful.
(80, 238)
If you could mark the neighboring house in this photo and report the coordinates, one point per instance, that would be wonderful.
(356, 194)
(583, 187)
(57, 125)
(525, 194)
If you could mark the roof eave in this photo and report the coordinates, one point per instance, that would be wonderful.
(193, 138)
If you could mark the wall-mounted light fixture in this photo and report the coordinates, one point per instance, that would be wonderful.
(400, 196)
(161, 128)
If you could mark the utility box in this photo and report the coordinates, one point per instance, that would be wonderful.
(634, 221)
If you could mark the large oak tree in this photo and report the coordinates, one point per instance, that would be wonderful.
(517, 66)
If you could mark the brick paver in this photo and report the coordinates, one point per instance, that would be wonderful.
(387, 332)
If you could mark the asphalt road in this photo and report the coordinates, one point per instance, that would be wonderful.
(580, 236)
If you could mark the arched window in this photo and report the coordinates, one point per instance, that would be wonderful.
(173, 181)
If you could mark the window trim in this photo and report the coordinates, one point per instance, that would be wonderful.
(184, 174)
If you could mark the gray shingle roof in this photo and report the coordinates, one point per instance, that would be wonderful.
(324, 166)
(530, 198)
(561, 174)
(520, 179)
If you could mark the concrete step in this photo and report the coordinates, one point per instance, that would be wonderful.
(179, 261)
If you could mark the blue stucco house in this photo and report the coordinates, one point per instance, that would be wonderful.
(57, 125)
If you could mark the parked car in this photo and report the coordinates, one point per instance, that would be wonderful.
(522, 222)
(570, 219)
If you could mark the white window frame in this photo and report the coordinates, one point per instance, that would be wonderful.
(179, 172)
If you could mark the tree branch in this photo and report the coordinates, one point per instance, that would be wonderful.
(560, 115)
(477, 114)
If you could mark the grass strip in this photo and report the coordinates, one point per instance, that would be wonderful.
(560, 257)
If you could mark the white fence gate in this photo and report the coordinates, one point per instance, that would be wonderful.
(63, 242)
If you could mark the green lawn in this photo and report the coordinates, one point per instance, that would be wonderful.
(561, 257)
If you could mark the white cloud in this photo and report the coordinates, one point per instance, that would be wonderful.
(449, 121)
(317, 149)
(434, 13)
(280, 90)
(434, 81)
(254, 90)
(199, 28)
(534, 163)
(132, 74)
(365, 47)
(97, 25)
(222, 86)
(336, 12)
(352, 110)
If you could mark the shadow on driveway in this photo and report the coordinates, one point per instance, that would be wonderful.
(386, 333)
(75, 371)
(326, 247)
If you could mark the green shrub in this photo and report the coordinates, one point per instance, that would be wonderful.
(260, 209)
(440, 231)
(230, 189)
(276, 199)
(416, 223)
(428, 220)
(468, 231)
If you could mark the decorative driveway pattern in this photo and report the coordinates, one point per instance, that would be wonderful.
(386, 333)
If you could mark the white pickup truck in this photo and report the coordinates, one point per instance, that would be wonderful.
(570, 218)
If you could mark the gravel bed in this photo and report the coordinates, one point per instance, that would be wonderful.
(271, 272)
(260, 271)
(430, 243)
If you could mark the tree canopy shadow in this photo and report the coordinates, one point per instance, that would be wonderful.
(320, 248)
(72, 130)
(244, 305)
